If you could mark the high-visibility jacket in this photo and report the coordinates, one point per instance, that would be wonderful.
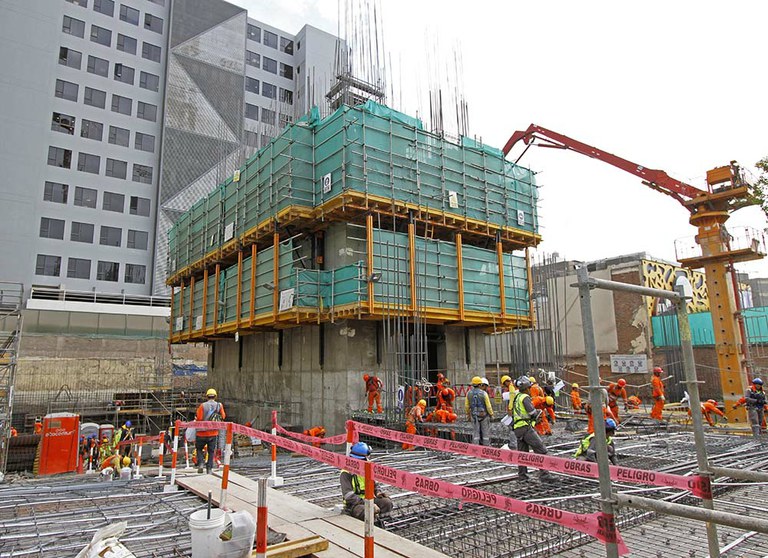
(478, 404)
(373, 384)
(588, 443)
(353, 488)
(615, 392)
(658, 387)
(520, 414)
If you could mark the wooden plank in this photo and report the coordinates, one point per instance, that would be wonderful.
(385, 539)
(350, 541)
(297, 548)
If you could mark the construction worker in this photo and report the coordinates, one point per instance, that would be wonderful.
(316, 432)
(353, 488)
(617, 392)
(708, 408)
(479, 412)
(126, 471)
(210, 410)
(508, 391)
(633, 402)
(658, 394)
(445, 398)
(416, 414)
(586, 450)
(576, 404)
(524, 417)
(124, 433)
(441, 381)
(373, 387)
(536, 390)
(607, 414)
(547, 405)
(755, 401)
(38, 425)
(412, 395)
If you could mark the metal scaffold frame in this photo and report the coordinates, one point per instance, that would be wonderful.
(11, 302)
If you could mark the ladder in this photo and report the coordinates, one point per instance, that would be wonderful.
(11, 303)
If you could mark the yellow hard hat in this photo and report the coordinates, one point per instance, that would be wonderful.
(532, 379)
(549, 400)
(505, 379)
(211, 393)
(422, 403)
(575, 385)
(126, 461)
(477, 380)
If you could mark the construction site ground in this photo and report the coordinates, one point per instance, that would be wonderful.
(57, 516)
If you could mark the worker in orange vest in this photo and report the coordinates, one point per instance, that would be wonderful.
(576, 398)
(590, 419)
(373, 387)
(316, 432)
(536, 389)
(547, 406)
(658, 394)
(445, 398)
(708, 408)
(615, 392)
(412, 395)
(38, 425)
(416, 414)
(633, 402)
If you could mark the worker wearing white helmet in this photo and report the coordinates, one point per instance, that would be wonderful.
(211, 410)
(479, 412)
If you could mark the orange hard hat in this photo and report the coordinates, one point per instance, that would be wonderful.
(440, 376)
(248, 424)
(657, 370)
(445, 392)
(622, 382)
(366, 377)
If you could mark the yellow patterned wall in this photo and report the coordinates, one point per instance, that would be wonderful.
(659, 275)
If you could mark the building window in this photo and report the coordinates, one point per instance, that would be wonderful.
(113, 202)
(126, 43)
(106, 7)
(119, 136)
(66, 90)
(98, 66)
(129, 15)
(270, 65)
(48, 265)
(87, 162)
(55, 192)
(124, 74)
(139, 206)
(265, 139)
(252, 85)
(158, 2)
(153, 23)
(251, 111)
(285, 119)
(270, 39)
(107, 271)
(149, 81)
(268, 116)
(63, 123)
(144, 142)
(252, 59)
(101, 36)
(268, 90)
(52, 228)
(85, 197)
(286, 45)
(116, 169)
(251, 139)
(70, 57)
(286, 71)
(83, 3)
(120, 104)
(110, 236)
(81, 232)
(78, 268)
(135, 273)
(91, 130)
(59, 157)
(286, 96)
(151, 52)
(147, 111)
(254, 33)
(137, 239)
(95, 97)
(72, 26)
(142, 173)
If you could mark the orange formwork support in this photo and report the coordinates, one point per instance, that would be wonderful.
(530, 286)
(500, 257)
(412, 262)
(239, 286)
(205, 300)
(216, 299)
(191, 304)
(276, 274)
(460, 272)
(369, 258)
(252, 303)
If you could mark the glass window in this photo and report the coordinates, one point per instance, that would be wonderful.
(285, 119)
(72, 26)
(120, 104)
(66, 90)
(268, 90)
(153, 23)
(119, 136)
(139, 206)
(252, 59)
(86, 162)
(268, 116)
(251, 139)
(95, 97)
(63, 123)
(144, 142)
(286, 71)
(82, 232)
(91, 130)
(147, 111)
(113, 202)
(158, 2)
(59, 157)
(110, 236)
(85, 197)
(265, 139)
(252, 85)
(107, 271)
(251, 111)
(98, 66)
(83, 3)
(270, 39)
(142, 173)
(286, 45)
(55, 192)
(137, 239)
(270, 65)
(116, 169)
(101, 35)
(286, 96)
(106, 7)
(254, 33)
(135, 273)
(149, 81)
(124, 73)
(126, 43)
(151, 52)
(129, 14)
(48, 265)
(52, 228)
(70, 57)
(78, 268)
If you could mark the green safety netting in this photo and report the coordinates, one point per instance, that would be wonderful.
(665, 330)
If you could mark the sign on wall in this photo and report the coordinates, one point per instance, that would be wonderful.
(629, 364)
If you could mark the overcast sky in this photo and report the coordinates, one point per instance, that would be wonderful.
(678, 86)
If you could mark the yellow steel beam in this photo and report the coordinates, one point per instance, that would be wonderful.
(500, 258)
(181, 307)
(216, 300)
(170, 332)
(252, 307)
(205, 300)
(460, 271)
(369, 256)
(239, 286)
(276, 274)
(191, 304)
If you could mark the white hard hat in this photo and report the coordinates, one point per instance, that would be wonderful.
(484, 381)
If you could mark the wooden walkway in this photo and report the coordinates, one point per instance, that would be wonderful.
(298, 519)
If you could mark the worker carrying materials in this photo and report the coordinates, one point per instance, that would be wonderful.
(586, 450)
(576, 403)
(353, 488)
(755, 401)
(211, 410)
(617, 392)
(373, 387)
(415, 414)
(316, 432)
(123, 434)
(524, 417)
(658, 394)
(479, 412)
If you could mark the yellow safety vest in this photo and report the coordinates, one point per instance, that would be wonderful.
(520, 416)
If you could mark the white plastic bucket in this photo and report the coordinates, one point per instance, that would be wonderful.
(206, 540)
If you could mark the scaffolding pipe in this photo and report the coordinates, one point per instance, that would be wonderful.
(741, 474)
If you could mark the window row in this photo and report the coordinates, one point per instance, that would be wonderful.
(127, 14)
(97, 98)
(270, 39)
(79, 268)
(103, 36)
(90, 163)
(90, 129)
(268, 90)
(268, 64)
(57, 192)
(83, 232)
(100, 67)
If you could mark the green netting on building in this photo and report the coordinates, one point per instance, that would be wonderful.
(666, 334)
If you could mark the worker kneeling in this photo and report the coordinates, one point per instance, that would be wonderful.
(353, 489)
(524, 418)
(587, 450)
